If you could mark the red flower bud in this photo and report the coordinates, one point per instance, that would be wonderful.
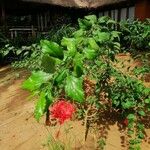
(125, 122)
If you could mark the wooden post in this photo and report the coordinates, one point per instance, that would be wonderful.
(33, 32)
(38, 21)
(41, 20)
(45, 17)
(12, 35)
(3, 15)
(142, 9)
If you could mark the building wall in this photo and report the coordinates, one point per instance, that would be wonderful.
(43, 17)
(120, 13)
(142, 9)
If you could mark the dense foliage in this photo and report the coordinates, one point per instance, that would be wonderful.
(80, 69)
(34, 60)
(135, 35)
(3, 39)
(10, 53)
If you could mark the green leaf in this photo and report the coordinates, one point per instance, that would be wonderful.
(117, 46)
(89, 53)
(115, 34)
(43, 103)
(142, 113)
(52, 48)
(111, 22)
(78, 64)
(93, 44)
(78, 33)
(19, 51)
(141, 135)
(70, 43)
(40, 107)
(26, 53)
(103, 19)
(84, 24)
(49, 97)
(103, 36)
(48, 63)
(147, 91)
(74, 88)
(130, 132)
(35, 81)
(134, 142)
(147, 101)
(140, 126)
(91, 18)
(128, 104)
(61, 76)
(131, 117)
(6, 52)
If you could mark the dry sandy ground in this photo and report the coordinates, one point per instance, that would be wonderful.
(20, 131)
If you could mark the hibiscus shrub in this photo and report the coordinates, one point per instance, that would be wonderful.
(79, 75)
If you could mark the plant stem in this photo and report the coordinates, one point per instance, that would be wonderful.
(47, 121)
(86, 123)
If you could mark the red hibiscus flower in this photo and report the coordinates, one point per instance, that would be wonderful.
(62, 110)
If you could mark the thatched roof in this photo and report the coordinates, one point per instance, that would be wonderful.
(77, 3)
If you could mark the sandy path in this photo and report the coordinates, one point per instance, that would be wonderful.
(18, 128)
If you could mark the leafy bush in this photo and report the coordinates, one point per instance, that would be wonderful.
(3, 40)
(35, 60)
(81, 70)
(145, 68)
(135, 35)
(57, 33)
(10, 53)
(32, 61)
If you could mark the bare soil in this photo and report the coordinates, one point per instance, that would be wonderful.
(20, 131)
